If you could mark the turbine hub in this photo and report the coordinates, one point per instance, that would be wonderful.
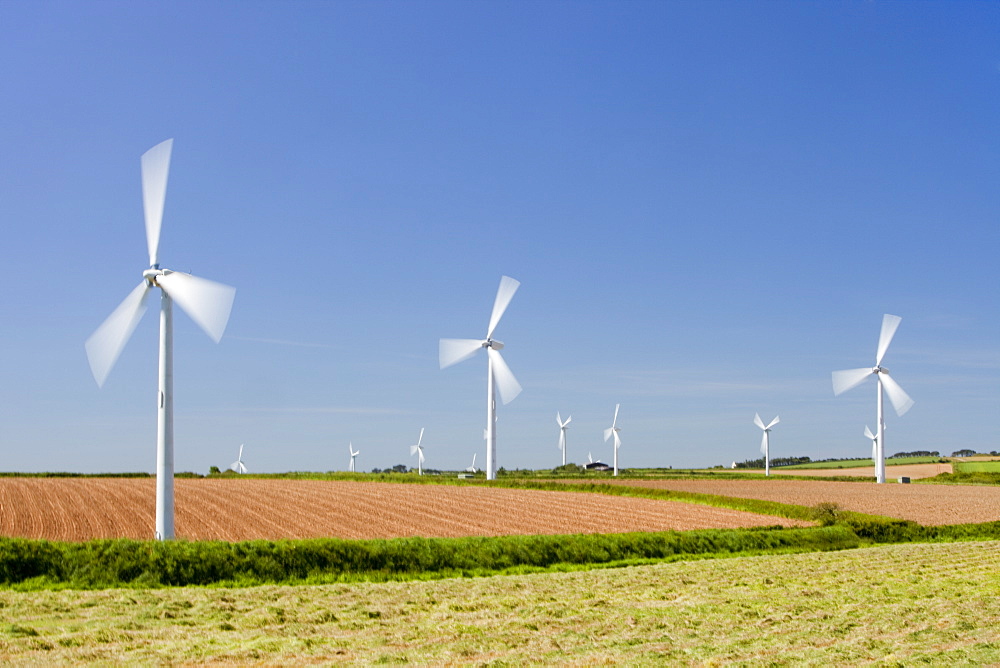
(154, 271)
(880, 369)
(495, 345)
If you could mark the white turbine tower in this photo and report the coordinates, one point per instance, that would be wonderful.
(418, 450)
(765, 442)
(563, 426)
(472, 469)
(901, 401)
(498, 374)
(238, 465)
(354, 454)
(207, 302)
(613, 430)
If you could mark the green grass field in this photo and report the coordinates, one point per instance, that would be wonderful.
(856, 463)
(977, 467)
(891, 605)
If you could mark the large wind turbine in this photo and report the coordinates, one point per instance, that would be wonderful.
(765, 442)
(498, 374)
(354, 454)
(207, 302)
(613, 430)
(418, 450)
(563, 426)
(901, 401)
(238, 465)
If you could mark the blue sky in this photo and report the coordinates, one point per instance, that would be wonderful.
(709, 206)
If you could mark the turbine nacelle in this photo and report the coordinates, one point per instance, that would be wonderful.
(491, 343)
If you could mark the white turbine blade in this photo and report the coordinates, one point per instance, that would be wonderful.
(155, 168)
(453, 351)
(107, 342)
(207, 302)
(235, 466)
(607, 433)
(618, 440)
(413, 449)
(243, 468)
(590, 457)
(562, 439)
(901, 401)
(420, 439)
(508, 286)
(559, 419)
(568, 420)
(869, 434)
(473, 461)
(241, 451)
(757, 421)
(420, 455)
(763, 443)
(506, 383)
(889, 325)
(849, 378)
(775, 421)
(615, 421)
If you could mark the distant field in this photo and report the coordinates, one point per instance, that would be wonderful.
(903, 604)
(860, 463)
(977, 467)
(912, 471)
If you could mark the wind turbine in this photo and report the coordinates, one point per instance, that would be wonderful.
(874, 439)
(614, 429)
(901, 401)
(472, 469)
(238, 464)
(207, 302)
(350, 448)
(419, 451)
(498, 374)
(765, 442)
(563, 426)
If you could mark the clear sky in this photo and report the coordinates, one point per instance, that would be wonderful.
(709, 206)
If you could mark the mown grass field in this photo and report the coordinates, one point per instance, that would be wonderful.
(977, 467)
(858, 463)
(896, 604)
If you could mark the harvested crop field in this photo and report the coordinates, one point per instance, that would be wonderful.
(911, 471)
(77, 509)
(927, 504)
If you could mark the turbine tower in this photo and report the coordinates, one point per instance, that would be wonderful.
(901, 401)
(613, 430)
(238, 465)
(207, 302)
(563, 426)
(354, 454)
(419, 451)
(765, 442)
(498, 374)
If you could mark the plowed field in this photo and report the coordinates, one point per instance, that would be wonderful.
(247, 509)
(926, 504)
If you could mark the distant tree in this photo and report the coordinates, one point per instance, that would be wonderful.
(399, 468)
(213, 470)
(963, 453)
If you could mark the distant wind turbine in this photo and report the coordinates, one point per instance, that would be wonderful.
(901, 401)
(354, 454)
(472, 469)
(563, 426)
(418, 450)
(238, 464)
(207, 302)
(765, 441)
(498, 374)
(874, 439)
(613, 431)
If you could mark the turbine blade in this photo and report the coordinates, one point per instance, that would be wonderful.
(607, 433)
(155, 169)
(207, 302)
(107, 342)
(901, 401)
(618, 440)
(568, 420)
(453, 351)
(775, 421)
(763, 443)
(889, 325)
(420, 439)
(849, 378)
(869, 434)
(504, 378)
(559, 419)
(615, 421)
(413, 449)
(508, 286)
(757, 421)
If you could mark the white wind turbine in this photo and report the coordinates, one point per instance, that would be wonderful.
(472, 469)
(563, 426)
(901, 401)
(498, 374)
(874, 439)
(418, 450)
(238, 465)
(765, 442)
(354, 454)
(207, 302)
(613, 430)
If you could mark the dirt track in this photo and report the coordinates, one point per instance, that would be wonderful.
(246, 509)
(926, 504)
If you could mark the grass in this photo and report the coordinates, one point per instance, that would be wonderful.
(976, 467)
(891, 605)
(859, 463)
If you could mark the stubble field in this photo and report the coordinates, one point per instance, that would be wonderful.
(77, 509)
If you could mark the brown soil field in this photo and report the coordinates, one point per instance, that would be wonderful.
(911, 471)
(926, 504)
(76, 509)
